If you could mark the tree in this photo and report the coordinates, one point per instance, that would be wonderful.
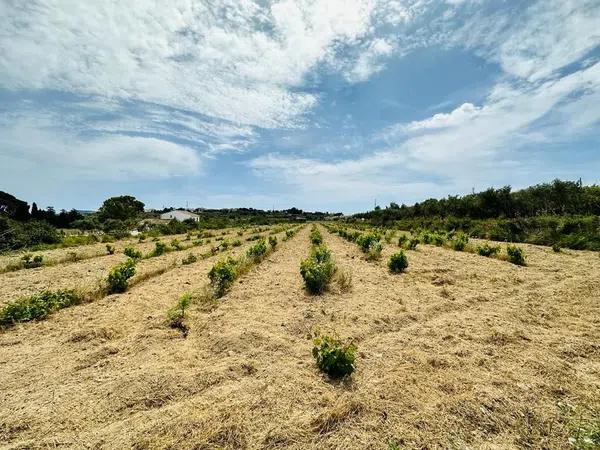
(34, 211)
(124, 207)
(12, 207)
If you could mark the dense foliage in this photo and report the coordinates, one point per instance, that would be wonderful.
(37, 306)
(398, 262)
(334, 357)
(118, 278)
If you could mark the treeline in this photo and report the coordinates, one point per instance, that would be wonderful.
(564, 213)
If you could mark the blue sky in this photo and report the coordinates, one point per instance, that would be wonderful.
(321, 104)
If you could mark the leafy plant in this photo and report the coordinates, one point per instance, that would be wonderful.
(110, 249)
(37, 306)
(459, 242)
(176, 315)
(257, 251)
(317, 270)
(175, 244)
(30, 261)
(556, 247)
(488, 250)
(160, 248)
(516, 255)
(388, 236)
(398, 262)
(273, 241)
(222, 275)
(189, 259)
(333, 357)
(403, 240)
(118, 278)
(132, 253)
(412, 244)
(236, 243)
(315, 236)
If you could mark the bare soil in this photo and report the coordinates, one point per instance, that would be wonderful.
(461, 351)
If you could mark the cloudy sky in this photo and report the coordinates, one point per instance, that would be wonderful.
(319, 104)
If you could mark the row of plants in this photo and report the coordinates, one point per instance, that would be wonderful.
(41, 305)
(221, 277)
(369, 241)
(459, 241)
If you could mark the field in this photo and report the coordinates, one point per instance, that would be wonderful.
(458, 351)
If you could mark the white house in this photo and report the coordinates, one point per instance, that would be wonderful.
(180, 214)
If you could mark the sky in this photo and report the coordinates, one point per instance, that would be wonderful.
(327, 105)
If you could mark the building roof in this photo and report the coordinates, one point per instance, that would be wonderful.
(182, 212)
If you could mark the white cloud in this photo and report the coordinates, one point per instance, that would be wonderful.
(370, 60)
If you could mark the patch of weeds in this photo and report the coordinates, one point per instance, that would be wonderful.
(222, 275)
(37, 306)
(343, 279)
(556, 247)
(370, 244)
(488, 250)
(118, 278)
(189, 259)
(516, 255)
(583, 427)
(176, 315)
(398, 262)
(110, 249)
(132, 253)
(333, 357)
(236, 243)
(403, 240)
(388, 236)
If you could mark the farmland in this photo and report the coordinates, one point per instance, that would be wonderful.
(456, 350)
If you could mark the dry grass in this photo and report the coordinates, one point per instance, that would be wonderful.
(460, 351)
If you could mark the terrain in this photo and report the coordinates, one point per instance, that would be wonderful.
(459, 351)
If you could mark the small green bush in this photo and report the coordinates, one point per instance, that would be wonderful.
(236, 243)
(403, 240)
(374, 252)
(412, 244)
(175, 244)
(160, 248)
(317, 272)
(118, 278)
(189, 259)
(273, 241)
(222, 275)
(388, 236)
(257, 251)
(320, 253)
(132, 253)
(110, 249)
(367, 241)
(289, 233)
(459, 242)
(333, 357)
(30, 261)
(315, 236)
(488, 250)
(398, 262)
(516, 255)
(37, 306)
(556, 247)
(176, 315)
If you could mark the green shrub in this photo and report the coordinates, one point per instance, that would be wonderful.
(317, 272)
(37, 306)
(176, 315)
(132, 253)
(273, 241)
(225, 245)
(110, 249)
(403, 240)
(412, 244)
(368, 240)
(289, 233)
(30, 261)
(257, 251)
(488, 250)
(556, 247)
(374, 252)
(516, 255)
(459, 242)
(160, 248)
(398, 262)
(320, 253)
(175, 244)
(315, 236)
(388, 236)
(189, 259)
(333, 357)
(118, 278)
(222, 275)
(141, 238)
(236, 243)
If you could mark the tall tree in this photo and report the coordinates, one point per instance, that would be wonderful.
(124, 207)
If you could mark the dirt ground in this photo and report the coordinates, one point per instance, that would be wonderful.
(461, 351)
